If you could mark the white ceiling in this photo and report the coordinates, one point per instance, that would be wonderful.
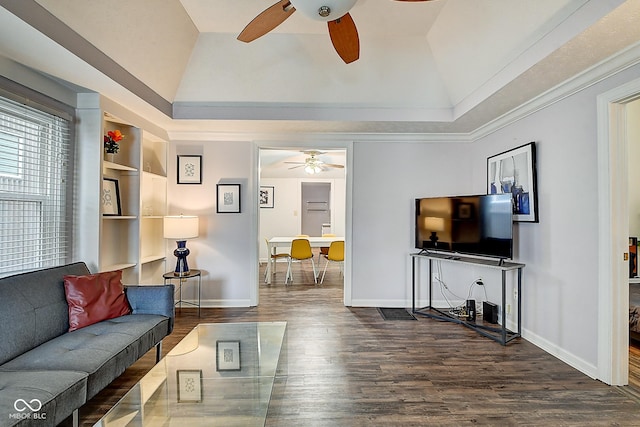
(443, 66)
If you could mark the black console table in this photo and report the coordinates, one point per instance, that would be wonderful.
(498, 333)
(168, 277)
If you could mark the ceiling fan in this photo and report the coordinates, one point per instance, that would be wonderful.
(342, 29)
(313, 165)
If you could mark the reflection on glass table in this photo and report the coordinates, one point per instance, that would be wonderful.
(220, 374)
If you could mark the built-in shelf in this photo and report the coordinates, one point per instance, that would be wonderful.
(634, 280)
(118, 166)
(152, 258)
(134, 241)
(122, 266)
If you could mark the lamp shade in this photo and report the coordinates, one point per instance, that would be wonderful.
(180, 227)
(433, 223)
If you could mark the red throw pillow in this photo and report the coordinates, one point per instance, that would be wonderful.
(94, 298)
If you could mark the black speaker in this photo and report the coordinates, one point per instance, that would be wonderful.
(489, 312)
(471, 310)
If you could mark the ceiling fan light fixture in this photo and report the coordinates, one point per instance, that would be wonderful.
(323, 10)
(312, 167)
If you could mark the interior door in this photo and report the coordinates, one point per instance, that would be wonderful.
(316, 208)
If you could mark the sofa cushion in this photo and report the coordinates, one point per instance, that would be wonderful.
(103, 350)
(34, 308)
(53, 396)
(93, 298)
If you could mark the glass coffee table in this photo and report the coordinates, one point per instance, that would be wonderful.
(220, 374)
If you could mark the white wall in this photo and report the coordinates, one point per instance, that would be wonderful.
(387, 177)
(225, 248)
(560, 289)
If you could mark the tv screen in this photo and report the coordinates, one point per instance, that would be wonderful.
(475, 225)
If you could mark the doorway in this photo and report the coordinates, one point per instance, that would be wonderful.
(278, 171)
(613, 233)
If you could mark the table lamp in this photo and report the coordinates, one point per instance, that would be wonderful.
(180, 228)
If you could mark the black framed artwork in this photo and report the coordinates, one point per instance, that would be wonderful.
(228, 198)
(514, 172)
(266, 196)
(189, 169)
(110, 198)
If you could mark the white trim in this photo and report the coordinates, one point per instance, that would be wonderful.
(307, 111)
(567, 357)
(606, 68)
(613, 232)
(254, 213)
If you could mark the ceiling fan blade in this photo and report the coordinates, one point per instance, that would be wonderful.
(333, 165)
(295, 163)
(266, 21)
(296, 167)
(344, 36)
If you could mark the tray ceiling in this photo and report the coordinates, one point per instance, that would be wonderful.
(444, 66)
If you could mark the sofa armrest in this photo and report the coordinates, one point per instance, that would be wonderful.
(156, 299)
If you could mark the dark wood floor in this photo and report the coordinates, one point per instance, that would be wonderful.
(349, 367)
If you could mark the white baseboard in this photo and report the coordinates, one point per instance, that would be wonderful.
(568, 358)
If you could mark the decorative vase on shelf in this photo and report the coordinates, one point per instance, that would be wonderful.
(109, 157)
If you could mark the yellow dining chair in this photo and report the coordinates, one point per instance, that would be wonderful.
(273, 258)
(300, 251)
(336, 254)
(324, 250)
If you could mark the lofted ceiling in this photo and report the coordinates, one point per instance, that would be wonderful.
(442, 66)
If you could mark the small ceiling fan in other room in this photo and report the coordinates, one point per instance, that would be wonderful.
(342, 29)
(313, 165)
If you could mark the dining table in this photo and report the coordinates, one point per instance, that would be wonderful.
(285, 241)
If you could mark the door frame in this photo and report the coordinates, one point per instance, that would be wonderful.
(294, 143)
(613, 233)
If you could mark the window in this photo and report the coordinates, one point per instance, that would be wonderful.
(34, 168)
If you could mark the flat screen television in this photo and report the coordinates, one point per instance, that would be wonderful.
(473, 225)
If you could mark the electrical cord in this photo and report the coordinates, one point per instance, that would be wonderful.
(443, 287)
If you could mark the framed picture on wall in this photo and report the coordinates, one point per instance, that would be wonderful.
(228, 197)
(514, 172)
(190, 169)
(266, 197)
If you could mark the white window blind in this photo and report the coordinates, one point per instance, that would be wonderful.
(34, 161)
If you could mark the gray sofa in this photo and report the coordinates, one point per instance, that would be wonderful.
(46, 372)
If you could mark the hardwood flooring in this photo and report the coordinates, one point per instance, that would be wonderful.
(349, 367)
(634, 365)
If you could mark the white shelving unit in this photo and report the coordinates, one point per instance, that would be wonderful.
(153, 205)
(119, 235)
(131, 242)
